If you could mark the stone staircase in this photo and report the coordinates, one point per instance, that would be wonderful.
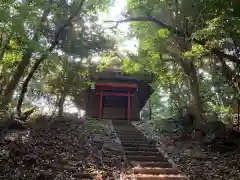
(141, 153)
(114, 113)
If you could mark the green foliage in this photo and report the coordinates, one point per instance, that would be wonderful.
(165, 125)
(69, 36)
(105, 61)
(66, 34)
(196, 51)
(130, 66)
(187, 74)
(163, 33)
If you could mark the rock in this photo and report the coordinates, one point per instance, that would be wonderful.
(197, 135)
(117, 147)
(208, 138)
(187, 153)
(208, 164)
(217, 128)
(4, 154)
(81, 175)
(200, 155)
(30, 159)
(151, 141)
(43, 175)
(70, 168)
(100, 138)
(196, 154)
(16, 125)
(63, 167)
(48, 154)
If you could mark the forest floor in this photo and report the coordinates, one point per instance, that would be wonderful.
(195, 160)
(78, 149)
(64, 150)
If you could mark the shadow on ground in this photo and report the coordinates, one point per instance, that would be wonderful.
(64, 150)
(205, 158)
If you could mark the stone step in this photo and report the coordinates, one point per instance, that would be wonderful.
(146, 161)
(136, 149)
(126, 126)
(133, 138)
(142, 153)
(129, 132)
(149, 141)
(134, 142)
(130, 136)
(137, 135)
(124, 129)
(155, 171)
(151, 164)
(120, 123)
(146, 158)
(138, 145)
(159, 177)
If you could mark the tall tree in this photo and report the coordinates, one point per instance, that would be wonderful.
(182, 36)
(52, 27)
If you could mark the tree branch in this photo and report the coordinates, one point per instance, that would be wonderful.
(43, 57)
(161, 24)
(148, 19)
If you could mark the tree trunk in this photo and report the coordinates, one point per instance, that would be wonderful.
(60, 105)
(150, 108)
(238, 114)
(26, 82)
(4, 48)
(176, 96)
(191, 72)
(4, 79)
(196, 94)
(228, 73)
(213, 70)
(32, 71)
(11, 86)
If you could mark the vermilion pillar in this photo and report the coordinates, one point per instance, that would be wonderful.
(129, 106)
(100, 105)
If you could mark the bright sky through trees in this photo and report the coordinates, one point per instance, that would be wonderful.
(114, 13)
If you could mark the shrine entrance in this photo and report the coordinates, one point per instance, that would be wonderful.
(115, 107)
(115, 96)
(115, 100)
